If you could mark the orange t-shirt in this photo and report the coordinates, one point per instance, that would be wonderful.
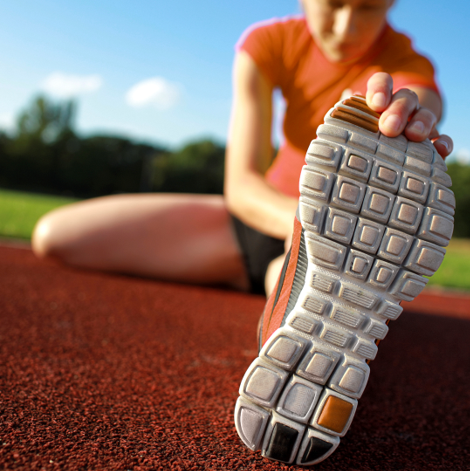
(287, 55)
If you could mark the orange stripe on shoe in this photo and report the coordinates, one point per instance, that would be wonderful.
(268, 309)
(354, 102)
(276, 312)
(367, 122)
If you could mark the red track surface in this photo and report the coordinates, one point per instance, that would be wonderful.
(107, 372)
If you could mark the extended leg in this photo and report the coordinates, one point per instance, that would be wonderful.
(184, 238)
(374, 215)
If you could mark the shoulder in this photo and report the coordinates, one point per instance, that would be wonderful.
(407, 66)
(399, 49)
(272, 45)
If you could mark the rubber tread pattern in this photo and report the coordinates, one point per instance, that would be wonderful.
(282, 441)
(316, 449)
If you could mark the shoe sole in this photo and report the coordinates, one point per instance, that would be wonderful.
(375, 213)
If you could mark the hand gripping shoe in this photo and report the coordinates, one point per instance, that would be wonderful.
(374, 213)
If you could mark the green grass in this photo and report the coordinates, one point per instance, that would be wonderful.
(455, 269)
(20, 211)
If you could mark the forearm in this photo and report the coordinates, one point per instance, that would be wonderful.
(253, 200)
(248, 195)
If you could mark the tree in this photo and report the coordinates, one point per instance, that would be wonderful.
(33, 160)
(45, 121)
(198, 167)
(47, 155)
(460, 175)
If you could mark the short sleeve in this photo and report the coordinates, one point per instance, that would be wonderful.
(419, 71)
(407, 67)
(263, 42)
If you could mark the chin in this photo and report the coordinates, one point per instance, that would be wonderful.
(340, 57)
(344, 53)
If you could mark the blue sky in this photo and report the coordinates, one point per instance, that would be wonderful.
(181, 52)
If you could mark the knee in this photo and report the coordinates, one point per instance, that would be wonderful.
(46, 239)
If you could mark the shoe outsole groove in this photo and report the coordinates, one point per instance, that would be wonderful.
(375, 213)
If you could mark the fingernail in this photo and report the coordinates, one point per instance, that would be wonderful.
(379, 100)
(417, 127)
(393, 123)
(445, 144)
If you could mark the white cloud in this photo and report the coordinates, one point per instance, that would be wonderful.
(63, 85)
(155, 91)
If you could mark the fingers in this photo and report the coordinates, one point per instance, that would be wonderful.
(433, 134)
(401, 113)
(444, 145)
(379, 91)
(421, 125)
(394, 119)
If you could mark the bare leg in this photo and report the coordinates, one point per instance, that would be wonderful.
(275, 267)
(174, 237)
(272, 274)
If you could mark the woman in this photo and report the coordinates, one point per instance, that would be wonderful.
(340, 46)
(191, 238)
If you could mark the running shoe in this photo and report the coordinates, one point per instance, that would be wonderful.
(373, 216)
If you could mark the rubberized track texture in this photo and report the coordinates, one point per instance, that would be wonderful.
(374, 215)
(103, 372)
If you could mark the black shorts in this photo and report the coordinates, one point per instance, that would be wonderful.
(258, 250)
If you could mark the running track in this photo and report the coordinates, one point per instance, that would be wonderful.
(110, 372)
